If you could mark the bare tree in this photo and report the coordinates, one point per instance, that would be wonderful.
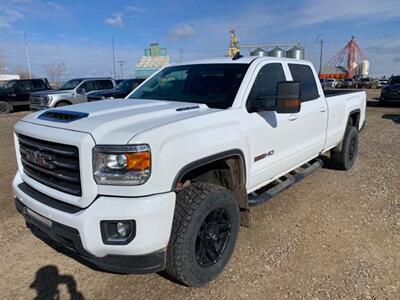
(55, 71)
(23, 72)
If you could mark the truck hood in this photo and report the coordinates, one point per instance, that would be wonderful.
(51, 92)
(117, 121)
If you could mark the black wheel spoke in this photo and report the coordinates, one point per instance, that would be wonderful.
(212, 237)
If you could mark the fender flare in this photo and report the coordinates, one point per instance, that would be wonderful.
(209, 159)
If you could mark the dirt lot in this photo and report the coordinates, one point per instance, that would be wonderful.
(334, 235)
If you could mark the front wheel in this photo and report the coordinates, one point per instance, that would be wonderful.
(204, 232)
(344, 157)
(5, 107)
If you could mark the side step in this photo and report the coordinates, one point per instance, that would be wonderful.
(274, 188)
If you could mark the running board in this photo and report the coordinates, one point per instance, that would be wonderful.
(282, 183)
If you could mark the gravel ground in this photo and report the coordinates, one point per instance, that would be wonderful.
(335, 235)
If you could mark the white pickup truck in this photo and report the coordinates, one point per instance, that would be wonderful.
(163, 179)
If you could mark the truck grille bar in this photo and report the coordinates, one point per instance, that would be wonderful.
(52, 164)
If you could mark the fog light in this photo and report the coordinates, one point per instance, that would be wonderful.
(122, 229)
(118, 232)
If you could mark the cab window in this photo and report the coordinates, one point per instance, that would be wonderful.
(305, 76)
(266, 83)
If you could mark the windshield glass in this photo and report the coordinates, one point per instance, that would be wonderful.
(7, 85)
(212, 84)
(70, 85)
(395, 80)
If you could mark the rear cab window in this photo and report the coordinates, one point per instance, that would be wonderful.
(305, 76)
(104, 84)
(38, 84)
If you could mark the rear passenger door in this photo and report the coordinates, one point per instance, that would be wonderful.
(311, 121)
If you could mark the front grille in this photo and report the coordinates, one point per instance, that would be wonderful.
(37, 100)
(52, 164)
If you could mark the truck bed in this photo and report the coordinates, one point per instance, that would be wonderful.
(337, 92)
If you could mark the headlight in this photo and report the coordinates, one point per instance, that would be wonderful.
(122, 165)
(46, 100)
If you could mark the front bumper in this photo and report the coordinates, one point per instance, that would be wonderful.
(78, 230)
(67, 240)
(390, 95)
(37, 107)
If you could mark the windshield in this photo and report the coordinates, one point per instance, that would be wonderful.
(395, 80)
(7, 85)
(212, 84)
(70, 85)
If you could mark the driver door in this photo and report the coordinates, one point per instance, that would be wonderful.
(274, 138)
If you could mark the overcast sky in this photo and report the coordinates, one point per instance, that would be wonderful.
(79, 33)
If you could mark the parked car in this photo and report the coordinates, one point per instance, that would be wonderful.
(17, 92)
(328, 83)
(72, 92)
(121, 90)
(162, 179)
(391, 92)
(382, 83)
(347, 83)
(364, 83)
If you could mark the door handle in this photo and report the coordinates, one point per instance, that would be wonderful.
(323, 109)
(293, 117)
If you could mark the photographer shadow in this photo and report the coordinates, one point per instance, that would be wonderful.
(47, 282)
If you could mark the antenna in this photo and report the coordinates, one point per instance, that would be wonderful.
(28, 59)
(121, 64)
(181, 51)
(113, 53)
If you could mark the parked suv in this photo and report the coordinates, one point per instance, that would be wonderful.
(72, 92)
(391, 92)
(16, 92)
(121, 91)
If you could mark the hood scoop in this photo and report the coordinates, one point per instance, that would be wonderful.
(62, 116)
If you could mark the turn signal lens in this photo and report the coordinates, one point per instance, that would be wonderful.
(138, 161)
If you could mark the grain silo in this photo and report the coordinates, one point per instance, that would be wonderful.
(277, 52)
(296, 52)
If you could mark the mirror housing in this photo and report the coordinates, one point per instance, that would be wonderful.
(81, 90)
(288, 97)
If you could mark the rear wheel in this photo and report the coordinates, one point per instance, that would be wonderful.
(204, 232)
(344, 157)
(5, 107)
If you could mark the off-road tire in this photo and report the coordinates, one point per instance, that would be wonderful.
(194, 204)
(5, 107)
(344, 156)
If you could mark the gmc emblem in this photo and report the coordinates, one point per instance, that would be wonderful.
(38, 158)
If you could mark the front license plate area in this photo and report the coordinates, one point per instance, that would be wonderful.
(39, 218)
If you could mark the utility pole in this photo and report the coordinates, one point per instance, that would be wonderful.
(121, 64)
(181, 55)
(28, 59)
(113, 52)
(320, 55)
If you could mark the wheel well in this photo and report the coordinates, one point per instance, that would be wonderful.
(354, 119)
(228, 172)
(64, 101)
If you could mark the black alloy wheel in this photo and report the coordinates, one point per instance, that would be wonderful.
(212, 237)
